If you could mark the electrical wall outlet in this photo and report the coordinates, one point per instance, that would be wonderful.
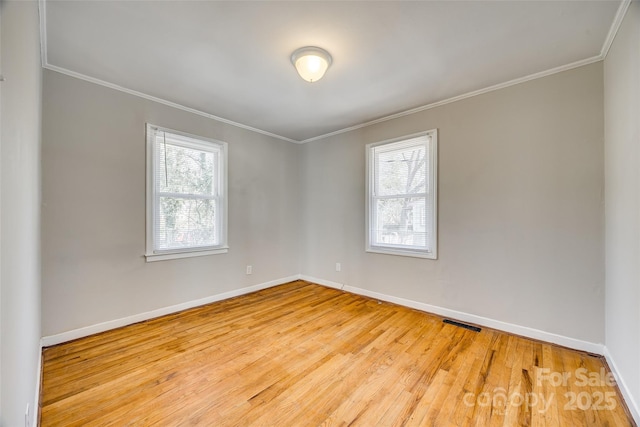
(338, 266)
(249, 269)
(27, 417)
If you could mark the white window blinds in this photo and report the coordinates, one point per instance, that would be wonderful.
(186, 195)
(402, 196)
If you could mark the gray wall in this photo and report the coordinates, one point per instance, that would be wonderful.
(622, 177)
(20, 212)
(521, 212)
(93, 236)
(520, 207)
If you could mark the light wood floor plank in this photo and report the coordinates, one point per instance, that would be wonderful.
(301, 354)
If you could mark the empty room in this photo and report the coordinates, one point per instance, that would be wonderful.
(301, 213)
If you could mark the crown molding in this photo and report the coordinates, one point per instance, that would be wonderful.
(615, 26)
(42, 12)
(613, 30)
(488, 89)
(622, 10)
(42, 9)
(163, 101)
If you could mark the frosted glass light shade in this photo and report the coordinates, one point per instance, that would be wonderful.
(311, 62)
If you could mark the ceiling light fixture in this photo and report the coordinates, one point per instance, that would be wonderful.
(311, 62)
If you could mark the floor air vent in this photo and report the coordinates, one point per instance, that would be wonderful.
(462, 325)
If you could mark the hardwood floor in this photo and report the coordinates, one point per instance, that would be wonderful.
(301, 354)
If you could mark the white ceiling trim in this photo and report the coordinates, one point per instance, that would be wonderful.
(605, 49)
(463, 96)
(163, 101)
(42, 8)
(615, 26)
(42, 11)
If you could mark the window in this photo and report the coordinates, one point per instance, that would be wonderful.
(401, 196)
(186, 195)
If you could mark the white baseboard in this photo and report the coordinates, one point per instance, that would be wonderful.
(441, 311)
(117, 323)
(469, 318)
(322, 282)
(35, 411)
(628, 397)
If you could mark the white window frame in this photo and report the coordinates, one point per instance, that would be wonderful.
(430, 197)
(199, 143)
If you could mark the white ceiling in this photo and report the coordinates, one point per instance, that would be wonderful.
(231, 59)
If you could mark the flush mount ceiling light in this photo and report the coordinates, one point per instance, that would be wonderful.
(311, 62)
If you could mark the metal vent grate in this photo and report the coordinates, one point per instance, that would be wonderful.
(462, 325)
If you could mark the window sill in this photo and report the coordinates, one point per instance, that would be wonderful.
(184, 254)
(402, 252)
